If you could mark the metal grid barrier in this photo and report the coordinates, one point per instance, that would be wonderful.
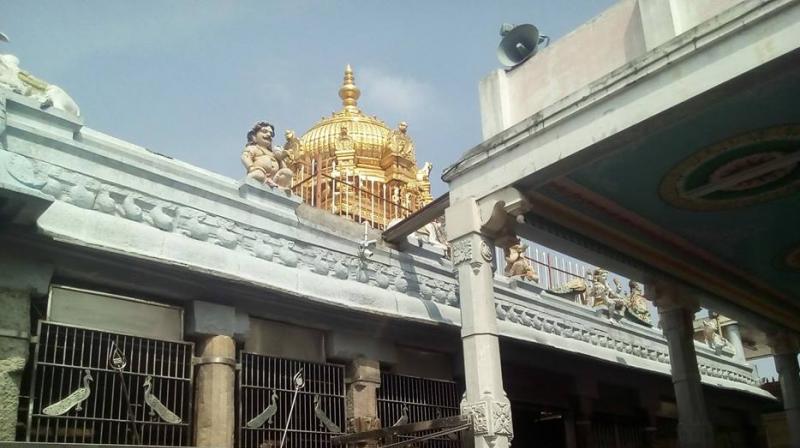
(608, 433)
(92, 386)
(266, 391)
(408, 399)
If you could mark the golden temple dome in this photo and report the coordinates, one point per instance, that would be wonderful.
(368, 160)
(369, 137)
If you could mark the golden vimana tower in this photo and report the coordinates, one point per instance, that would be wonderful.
(355, 166)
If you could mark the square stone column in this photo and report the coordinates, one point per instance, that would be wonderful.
(785, 347)
(473, 254)
(363, 381)
(676, 311)
(732, 333)
(20, 279)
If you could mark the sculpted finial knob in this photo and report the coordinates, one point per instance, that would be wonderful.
(349, 92)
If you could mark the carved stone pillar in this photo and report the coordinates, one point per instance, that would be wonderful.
(19, 280)
(472, 255)
(676, 314)
(785, 347)
(732, 333)
(363, 381)
(214, 392)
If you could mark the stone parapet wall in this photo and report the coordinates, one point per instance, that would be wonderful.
(527, 312)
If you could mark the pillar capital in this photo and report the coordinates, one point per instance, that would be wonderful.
(784, 343)
(364, 370)
(494, 216)
(462, 218)
(212, 319)
(668, 295)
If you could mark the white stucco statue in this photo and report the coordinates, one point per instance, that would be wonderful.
(9, 75)
(19, 81)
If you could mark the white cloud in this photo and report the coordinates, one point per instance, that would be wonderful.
(404, 96)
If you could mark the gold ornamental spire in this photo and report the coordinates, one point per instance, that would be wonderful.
(349, 93)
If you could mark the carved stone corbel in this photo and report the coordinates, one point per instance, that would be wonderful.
(500, 213)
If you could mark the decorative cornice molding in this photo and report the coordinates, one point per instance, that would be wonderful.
(562, 326)
(95, 194)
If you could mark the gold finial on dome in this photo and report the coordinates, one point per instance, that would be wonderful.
(349, 92)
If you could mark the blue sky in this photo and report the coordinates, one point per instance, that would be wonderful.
(187, 79)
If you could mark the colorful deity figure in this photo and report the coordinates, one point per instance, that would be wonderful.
(601, 294)
(637, 309)
(517, 265)
(597, 293)
(713, 334)
(293, 147)
(399, 142)
(263, 162)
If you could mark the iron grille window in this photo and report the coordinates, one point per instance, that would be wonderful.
(408, 399)
(266, 391)
(608, 432)
(78, 396)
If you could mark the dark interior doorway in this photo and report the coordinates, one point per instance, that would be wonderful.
(538, 426)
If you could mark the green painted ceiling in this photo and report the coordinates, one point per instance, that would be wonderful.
(752, 238)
